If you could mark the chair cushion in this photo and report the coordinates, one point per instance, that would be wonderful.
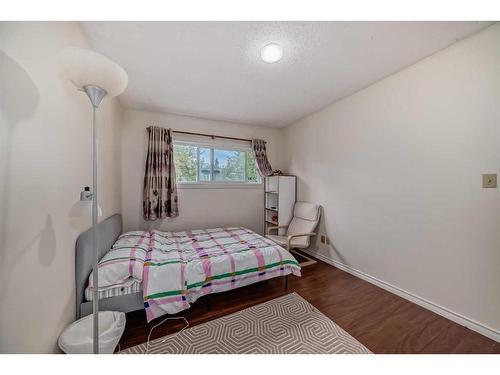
(281, 240)
(299, 226)
(305, 220)
(306, 211)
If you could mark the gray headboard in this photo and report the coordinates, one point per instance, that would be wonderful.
(107, 234)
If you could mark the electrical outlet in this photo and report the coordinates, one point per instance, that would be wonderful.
(327, 240)
(490, 180)
(323, 238)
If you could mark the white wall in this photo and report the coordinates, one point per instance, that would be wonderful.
(198, 208)
(45, 160)
(397, 167)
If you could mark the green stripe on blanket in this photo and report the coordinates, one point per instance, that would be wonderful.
(163, 294)
(242, 272)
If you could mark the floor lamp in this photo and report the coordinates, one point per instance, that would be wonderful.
(97, 76)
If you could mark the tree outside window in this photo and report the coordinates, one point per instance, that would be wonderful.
(197, 164)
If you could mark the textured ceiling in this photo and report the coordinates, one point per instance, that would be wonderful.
(213, 69)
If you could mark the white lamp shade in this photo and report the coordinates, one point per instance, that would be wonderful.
(84, 67)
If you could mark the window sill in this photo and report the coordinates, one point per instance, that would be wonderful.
(220, 185)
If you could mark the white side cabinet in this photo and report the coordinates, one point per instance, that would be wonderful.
(279, 199)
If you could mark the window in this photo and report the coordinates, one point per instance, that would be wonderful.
(199, 163)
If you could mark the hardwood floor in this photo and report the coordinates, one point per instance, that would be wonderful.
(382, 321)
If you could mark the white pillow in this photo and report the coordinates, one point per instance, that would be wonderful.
(125, 259)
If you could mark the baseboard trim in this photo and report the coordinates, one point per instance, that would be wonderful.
(440, 310)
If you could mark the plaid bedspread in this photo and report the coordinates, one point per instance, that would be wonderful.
(176, 268)
(182, 266)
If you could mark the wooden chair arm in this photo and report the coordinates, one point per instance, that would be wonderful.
(289, 238)
(268, 231)
(302, 235)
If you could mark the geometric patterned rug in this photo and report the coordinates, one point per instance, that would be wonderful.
(284, 325)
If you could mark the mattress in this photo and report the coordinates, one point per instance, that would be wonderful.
(127, 287)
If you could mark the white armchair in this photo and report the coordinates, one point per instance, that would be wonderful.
(301, 228)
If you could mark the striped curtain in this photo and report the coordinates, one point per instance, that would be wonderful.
(260, 154)
(160, 191)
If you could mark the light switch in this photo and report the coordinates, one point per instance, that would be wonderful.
(490, 180)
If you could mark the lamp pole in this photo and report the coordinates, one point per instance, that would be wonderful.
(96, 95)
(98, 77)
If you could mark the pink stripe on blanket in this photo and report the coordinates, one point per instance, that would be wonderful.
(132, 254)
(229, 255)
(183, 270)
(261, 262)
(205, 260)
(145, 272)
(207, 268)
(233, 263)
(281, 258)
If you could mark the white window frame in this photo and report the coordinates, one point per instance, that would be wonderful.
(217, 184)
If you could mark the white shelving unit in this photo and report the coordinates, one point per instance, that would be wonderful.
(279, 199)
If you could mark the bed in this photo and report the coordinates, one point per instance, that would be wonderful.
(165, 272)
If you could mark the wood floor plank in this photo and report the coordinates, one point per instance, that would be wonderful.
(380, 320)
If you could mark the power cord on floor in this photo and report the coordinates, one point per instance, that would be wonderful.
(170, 336)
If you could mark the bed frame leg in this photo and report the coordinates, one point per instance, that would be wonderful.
(286, 282)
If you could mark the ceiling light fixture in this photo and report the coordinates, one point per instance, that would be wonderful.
(271, 53)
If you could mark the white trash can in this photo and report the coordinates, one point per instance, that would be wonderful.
(77, 337)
